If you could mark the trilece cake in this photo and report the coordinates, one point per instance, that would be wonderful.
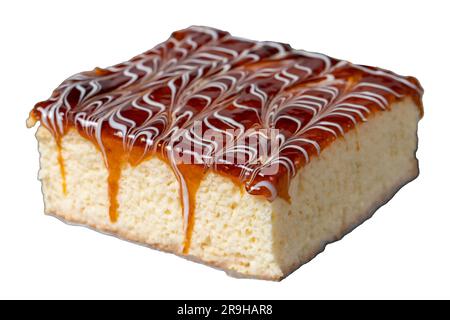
(248, 156)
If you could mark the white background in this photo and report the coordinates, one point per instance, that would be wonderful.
(402, 252)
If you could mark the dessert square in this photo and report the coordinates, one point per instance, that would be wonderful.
(244, 155)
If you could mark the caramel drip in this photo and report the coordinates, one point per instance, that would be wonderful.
(193, 176)
(62, 168)
(114, 170)
(115, 160)
(283, 188)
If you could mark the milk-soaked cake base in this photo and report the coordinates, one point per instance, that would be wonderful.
(243, 234)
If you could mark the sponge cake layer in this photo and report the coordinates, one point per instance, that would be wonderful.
(243, 234)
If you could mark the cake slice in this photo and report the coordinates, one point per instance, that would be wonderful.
(244, 155)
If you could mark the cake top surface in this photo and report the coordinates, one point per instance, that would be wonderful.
(255, 111)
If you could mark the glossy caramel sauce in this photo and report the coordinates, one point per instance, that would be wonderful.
(193, 176)
(203, 78)
(115, 160)
(62, 168)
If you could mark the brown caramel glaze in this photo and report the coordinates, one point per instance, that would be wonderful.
(62, 167)
(135, 109)
(115, 160)
(193, 176)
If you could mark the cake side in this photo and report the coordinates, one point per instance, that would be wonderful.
(241, 233)
(347, 183)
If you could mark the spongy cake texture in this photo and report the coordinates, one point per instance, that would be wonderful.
(244, 234)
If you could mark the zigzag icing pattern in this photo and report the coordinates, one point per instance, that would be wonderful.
(206, 77)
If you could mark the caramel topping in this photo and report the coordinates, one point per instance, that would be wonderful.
(202, 80)
(115, 160)
(193, 175)
(62, 168)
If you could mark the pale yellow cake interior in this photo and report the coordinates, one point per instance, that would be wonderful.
(240, 233)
